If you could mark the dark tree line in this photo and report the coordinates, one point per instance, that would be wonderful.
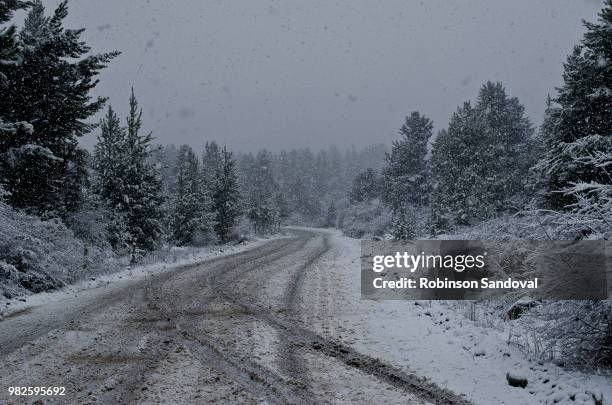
(301, 186)
(272, 189)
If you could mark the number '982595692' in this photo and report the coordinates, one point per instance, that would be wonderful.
(37, 391)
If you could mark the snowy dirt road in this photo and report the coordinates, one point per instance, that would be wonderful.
(252, 327)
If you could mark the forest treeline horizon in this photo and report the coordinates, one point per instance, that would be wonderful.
(489, 161)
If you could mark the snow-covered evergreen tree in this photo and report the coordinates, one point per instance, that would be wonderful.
(108, 158)
(143, 197)
(460, 195)
(505, 151)
(226, 196)
(480, 162)
(192, 216)
(299, 176)
(366, 186)
(260, 189)
(580, 123)
(109, 167)
(10, 133)
(403, 224)
(47, 84)
(404, 177)
(9, 46)
(127, 182)
(211, 165)
(593, 200)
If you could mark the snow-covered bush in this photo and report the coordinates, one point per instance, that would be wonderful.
(368, 218)
(575, 333)
(90, 224)
(409, 222)
(37, 255)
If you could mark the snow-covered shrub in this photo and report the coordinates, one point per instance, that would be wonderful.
(91, 225)
(38, 255)
(8, 272)
(576, 333)
(369, 218)
(409, 222)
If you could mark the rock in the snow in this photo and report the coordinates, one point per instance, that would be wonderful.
(521, 306)
(516, 379)
(597, 397)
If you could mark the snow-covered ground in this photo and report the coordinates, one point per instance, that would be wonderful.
(435, 340)
(155, 264)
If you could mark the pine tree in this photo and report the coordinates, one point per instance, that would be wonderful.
(537, 181)
(9, 43)
(460, 194)
(403, 224)
(580, 123)
(505, 152)
(77, 180)
(226, 203)
(109, 168)
(10, 57)
(142, 186)
(109, 172)
(366, 186)
(192, 203)
(109, 162)
(48, 85)
(261, 189)
(211, 164)
(404, 177)
(547, 129)
(302, 185)
(127, 183)
(479, 163)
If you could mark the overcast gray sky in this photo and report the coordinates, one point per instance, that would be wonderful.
(283, 74)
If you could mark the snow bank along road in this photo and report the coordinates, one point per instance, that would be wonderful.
(251, 327)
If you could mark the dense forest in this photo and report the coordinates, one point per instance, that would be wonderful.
(134, 194)
(490, 161)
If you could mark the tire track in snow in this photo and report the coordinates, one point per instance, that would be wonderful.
(296, 336)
